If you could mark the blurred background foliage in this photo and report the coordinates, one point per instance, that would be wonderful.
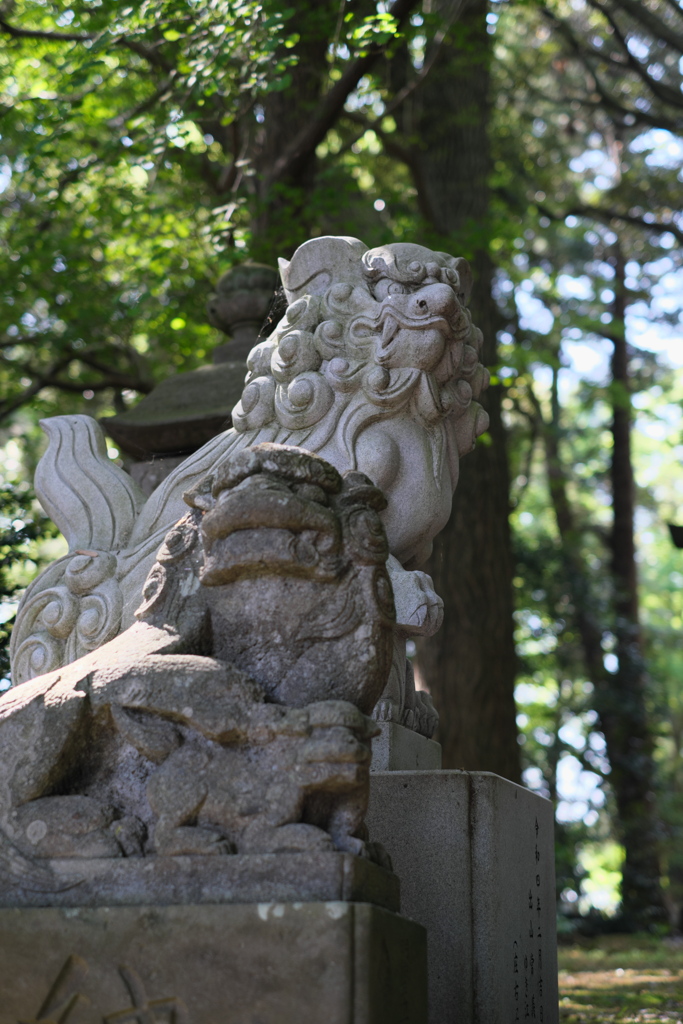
(147, 148)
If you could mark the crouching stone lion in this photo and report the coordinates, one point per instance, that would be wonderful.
(233, 715)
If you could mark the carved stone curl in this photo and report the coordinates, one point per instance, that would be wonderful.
(76, 604)
(232, 717)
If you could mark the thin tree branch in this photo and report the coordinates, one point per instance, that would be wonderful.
(370, 124)
(641, 13)
(661, 90)
(399, 152)
(145, 105)
(150, 54)
(607, 214)
(114, 378)
(410, 87)
(617, 110)
(403, 94)
(11, 405)
(34, 33)
(51, 379)
(628, 218)
(51, 96)
(587, 765)
(332, 104)
(22, 339)
(606, 98)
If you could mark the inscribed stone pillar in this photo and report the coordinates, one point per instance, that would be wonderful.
(475, 857)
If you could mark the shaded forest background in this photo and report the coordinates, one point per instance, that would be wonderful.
(146, 148)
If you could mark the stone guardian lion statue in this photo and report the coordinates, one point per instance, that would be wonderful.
(375, 367)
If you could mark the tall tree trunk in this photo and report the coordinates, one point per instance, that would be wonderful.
(283, 216)
(623, 707)
(295, 121)
(469, 666)
(620, 697)
(576, 571)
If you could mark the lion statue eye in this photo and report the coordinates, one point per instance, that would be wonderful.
(385, 286)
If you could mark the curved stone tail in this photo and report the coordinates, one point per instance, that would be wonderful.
(92, 501)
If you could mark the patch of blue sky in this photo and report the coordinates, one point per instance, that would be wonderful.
(575, 287)
(535, 693)
(573, 733)
(5, 174)
(533, 314)
(665, 149)
(579, 791)
(588, 359)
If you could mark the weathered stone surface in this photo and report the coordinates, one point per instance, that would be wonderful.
(233, 717)
(271, 963)
(475, 857)
(400, 749)
(376, 367)
(242, 878)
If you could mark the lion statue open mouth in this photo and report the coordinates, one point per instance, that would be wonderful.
(375, 367)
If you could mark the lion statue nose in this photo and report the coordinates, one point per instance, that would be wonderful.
(433, 300)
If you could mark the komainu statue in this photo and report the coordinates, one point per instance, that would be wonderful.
(375, 367)
(232, 716)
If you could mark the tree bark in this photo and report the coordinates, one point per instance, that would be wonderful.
(623, 695)
(470, 665)
(282, 211)
(620, 697)
(295, 121)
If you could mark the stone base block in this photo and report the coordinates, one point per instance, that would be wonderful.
(269, 963)
(240, 878)
(400, 749)
(475, 857)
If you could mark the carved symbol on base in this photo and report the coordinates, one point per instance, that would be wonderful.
(63, 996)
(143, 1011)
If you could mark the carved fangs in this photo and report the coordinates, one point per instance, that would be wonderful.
(389, 330)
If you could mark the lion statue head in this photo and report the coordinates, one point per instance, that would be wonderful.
(385, 330)
(372, 336)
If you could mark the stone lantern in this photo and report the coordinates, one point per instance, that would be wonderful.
(187, 409)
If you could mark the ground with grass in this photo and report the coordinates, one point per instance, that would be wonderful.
(631, 978)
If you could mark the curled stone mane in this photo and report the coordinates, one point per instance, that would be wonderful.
(328, 366)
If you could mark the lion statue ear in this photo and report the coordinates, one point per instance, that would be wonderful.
(465, 274)
(322, 262)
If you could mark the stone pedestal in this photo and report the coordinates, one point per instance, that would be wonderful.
(238, 878)
(400, 749)
(475, 857)
(271, 963)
